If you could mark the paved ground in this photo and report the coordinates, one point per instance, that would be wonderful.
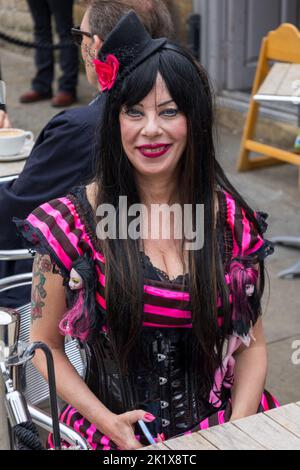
(273, 190)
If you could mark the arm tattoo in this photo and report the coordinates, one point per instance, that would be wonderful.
(41, 266)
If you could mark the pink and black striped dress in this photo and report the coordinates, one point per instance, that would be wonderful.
(64, 229)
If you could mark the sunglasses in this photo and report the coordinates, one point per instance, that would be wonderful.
(77, 35)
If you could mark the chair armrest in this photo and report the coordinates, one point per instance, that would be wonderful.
(44, 420)
(6, 179)
(14, 255)
(286, 241)
(12, 282)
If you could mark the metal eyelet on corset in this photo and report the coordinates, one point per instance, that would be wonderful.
(162, 380)
(164, 404)
(179, 414)
(182, 426)
(176, 383)
(161, 357)
(177, 397)
(165, 422)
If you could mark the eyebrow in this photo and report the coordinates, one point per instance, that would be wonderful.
(160, 105)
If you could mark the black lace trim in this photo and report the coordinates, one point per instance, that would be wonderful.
(85, 211)
(224, 233)
(182, 279)
(35, 241)
(261, 218)
(265, 250)
(225, 236)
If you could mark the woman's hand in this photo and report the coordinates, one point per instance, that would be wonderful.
(4, 121)
(121, 432)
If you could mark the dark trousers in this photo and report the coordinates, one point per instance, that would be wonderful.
(62, 10)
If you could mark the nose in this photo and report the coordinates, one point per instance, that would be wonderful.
(152, 127)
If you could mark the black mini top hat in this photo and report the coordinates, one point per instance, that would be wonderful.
(130, 43)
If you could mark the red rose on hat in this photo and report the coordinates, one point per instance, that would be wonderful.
(107, 71)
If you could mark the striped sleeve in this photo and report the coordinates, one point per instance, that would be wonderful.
(54, 229)
(247, 236)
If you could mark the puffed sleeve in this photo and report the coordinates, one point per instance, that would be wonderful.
(245, 269)
(248, 239)
(54, 229)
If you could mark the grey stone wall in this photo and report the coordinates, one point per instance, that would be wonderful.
(15, 19)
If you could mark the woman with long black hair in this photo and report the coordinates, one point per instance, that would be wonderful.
(172, 331)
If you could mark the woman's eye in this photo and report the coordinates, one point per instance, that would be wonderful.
(171, 112)
(133, 112)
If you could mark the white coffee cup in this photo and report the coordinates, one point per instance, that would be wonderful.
(12, 140)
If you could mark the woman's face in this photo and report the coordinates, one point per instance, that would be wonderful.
(154, 132)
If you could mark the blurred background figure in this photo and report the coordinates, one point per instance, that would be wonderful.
(42, 12)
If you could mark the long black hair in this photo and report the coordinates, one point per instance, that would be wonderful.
(189, 86)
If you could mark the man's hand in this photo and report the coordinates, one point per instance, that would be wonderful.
(4, 120)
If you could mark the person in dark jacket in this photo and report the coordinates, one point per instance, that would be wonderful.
(63, 154)
(60, 159)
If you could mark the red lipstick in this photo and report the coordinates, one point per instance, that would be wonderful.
(154, 150)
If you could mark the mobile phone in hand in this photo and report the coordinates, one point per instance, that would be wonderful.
(146, 432)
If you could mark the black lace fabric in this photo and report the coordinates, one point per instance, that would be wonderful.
(154, 273)
(36, 243)
(86, 214)
(224, 236)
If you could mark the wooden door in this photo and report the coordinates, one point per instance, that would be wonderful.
(248, 21)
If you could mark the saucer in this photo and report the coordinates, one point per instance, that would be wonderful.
(22, 155)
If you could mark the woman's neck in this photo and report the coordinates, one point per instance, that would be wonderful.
(157, 189)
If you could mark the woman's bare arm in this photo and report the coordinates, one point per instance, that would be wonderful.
(250, 375)
(48, 308)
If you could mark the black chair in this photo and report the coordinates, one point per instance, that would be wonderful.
(294, 242)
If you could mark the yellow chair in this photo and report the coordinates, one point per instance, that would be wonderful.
(280, 45)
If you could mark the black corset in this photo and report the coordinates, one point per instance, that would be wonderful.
(159, 380)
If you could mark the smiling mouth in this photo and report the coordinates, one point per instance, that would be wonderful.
(154, 151)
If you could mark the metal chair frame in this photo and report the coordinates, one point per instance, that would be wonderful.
(31, 383)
